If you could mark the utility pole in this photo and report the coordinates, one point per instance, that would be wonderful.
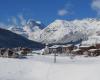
(55, 57)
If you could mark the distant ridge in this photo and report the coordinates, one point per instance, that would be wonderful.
(9, 39)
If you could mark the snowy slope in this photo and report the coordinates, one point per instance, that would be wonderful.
(61, 31)
(43, 68)
(33, 29)
(18, 30)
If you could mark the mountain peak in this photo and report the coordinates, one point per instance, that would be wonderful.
(33, 23)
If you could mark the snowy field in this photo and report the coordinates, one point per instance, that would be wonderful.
(38, 67)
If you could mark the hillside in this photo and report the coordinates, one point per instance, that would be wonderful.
(10, 39)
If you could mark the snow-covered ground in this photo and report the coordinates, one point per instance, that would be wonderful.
(39, 67)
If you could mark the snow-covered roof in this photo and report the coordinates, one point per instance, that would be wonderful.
(76, 50)
(92, 50)
(67, 45)
(85, 46)
(55, 46)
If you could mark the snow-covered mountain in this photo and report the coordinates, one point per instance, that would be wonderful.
(62, 31)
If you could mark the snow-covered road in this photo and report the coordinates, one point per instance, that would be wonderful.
(39, 67)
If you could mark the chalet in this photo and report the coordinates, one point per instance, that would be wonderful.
(7, 53)
(94, 52)
(67, 48)
(55, 49)
(86, 48)
(59, 49)
(14, 52)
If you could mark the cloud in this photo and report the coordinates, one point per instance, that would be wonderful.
(96, 6)
(22, 19)
(14, 20)
(66, 10)
(62, 12)
(2, 25)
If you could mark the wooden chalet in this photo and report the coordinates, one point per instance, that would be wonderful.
(14, 52)
(86, 48)
(61, 49)
(94, 52)
(55, 49)
(67, 48)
